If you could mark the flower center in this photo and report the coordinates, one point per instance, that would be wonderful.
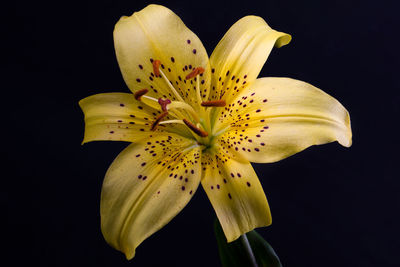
(198, 118)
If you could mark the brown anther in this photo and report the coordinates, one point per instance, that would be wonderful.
(196, 130)
(194, 73)
(158, 119)
(214, 103)
(156, 67)
(163, 103)
(140, 93)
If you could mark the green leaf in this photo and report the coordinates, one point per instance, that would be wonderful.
(235, 253)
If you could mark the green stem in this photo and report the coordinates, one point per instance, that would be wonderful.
(249, 251)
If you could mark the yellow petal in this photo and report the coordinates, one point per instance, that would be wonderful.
(235, 193)
(278, 117)
(145, 187)
(118, 117)
(239, 56)
(156, 33)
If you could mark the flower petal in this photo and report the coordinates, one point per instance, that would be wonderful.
(239, 56)
(235, 193)
(117, 116)
(156, 33)
(278, 117)
(145, 187)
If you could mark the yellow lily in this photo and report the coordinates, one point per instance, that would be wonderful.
(193, 119)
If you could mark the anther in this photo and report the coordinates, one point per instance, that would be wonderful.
(140, 93)
(194, 73)
(163, 103)
(158, 119)
(214, 103)
(196, 130)
(156, 67)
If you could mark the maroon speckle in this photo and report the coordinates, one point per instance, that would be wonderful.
(229, 195)
(138, 80)
(248, 184)
(140, 176)
(265, 100)
(183, 188)
(239, 175)
(138, 155)
(258, 110)
(191, 192)
(144, 163)
(245, 76)
(263, 144)
(122, 105)
(194, 51)
(188, 41)
(144, 178)
(212, 70)
(172, 59)
(256, 149)
(140, 67)
(111, 132)
(218, 186)
(212, 187)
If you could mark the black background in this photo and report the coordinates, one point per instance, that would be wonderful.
(331, 206)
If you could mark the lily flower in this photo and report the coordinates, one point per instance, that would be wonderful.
(193, 119)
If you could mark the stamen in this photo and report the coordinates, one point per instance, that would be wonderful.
(196, 130)
(158, 119)
(178, 96)
(163, 103)
(140, 93)
(172, 121)
(194, 73)
(156, 67)
(214, 103)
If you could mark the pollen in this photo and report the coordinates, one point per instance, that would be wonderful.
(195, 129)
(194, 73)
(158, 119)
(140, 93)
(156, 67)
(214, 103)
